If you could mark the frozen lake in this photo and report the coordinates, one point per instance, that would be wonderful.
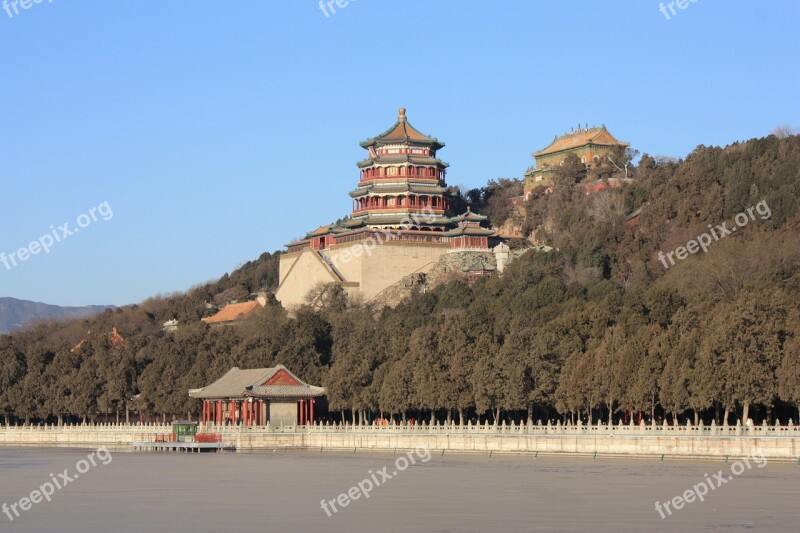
(278, 491)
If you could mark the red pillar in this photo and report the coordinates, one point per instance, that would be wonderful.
(301, 412)
(311, 411)
(245, 414)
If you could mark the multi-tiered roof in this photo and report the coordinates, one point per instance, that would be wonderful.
(402, 181)
(402, 189)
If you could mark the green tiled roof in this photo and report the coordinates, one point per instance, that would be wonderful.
(470, 232)
(469, 216)
(479, 264)
(354, 223)
(403, 218)
(397, 188)
(398, 159)
(403, 132)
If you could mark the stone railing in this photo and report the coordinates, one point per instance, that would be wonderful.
(91, 428)
(640, 430)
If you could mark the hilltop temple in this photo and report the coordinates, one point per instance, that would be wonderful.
(590, 145)
(401, 224)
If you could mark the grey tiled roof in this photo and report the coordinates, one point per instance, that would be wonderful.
(237, 383)
(286, 391)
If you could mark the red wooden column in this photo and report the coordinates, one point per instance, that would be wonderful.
(301, 412)
(245, 414)
(311, 411)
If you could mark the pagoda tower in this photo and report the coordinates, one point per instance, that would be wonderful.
(402, 182)
(400, 228)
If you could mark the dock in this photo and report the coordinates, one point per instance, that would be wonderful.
(184, 438)
(189, 447)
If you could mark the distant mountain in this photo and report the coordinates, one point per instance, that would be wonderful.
(14, 313)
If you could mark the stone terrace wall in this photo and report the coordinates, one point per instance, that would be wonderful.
(88, 436)
(774, 442)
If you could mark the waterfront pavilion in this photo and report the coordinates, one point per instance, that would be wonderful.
(259, 396)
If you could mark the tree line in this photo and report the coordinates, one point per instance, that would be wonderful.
(596, 329)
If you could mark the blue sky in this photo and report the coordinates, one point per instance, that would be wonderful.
(218, 131)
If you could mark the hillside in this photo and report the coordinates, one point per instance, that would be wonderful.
(16, 313)
(618, 320)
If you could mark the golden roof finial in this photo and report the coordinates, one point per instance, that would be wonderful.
(402, 117)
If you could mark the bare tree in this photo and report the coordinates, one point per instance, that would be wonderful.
(784, 131)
